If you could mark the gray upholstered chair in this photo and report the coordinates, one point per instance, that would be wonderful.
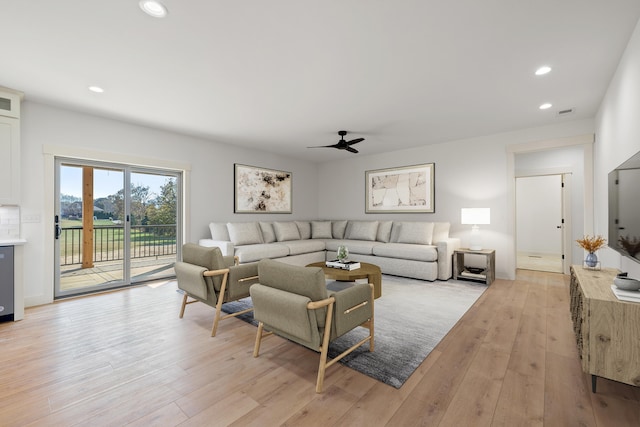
(206, 276)
(293, 302)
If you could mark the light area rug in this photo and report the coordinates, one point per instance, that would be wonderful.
(411, 318)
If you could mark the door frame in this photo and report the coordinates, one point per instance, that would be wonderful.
(586, 142)
(565, 213)
(50, 152)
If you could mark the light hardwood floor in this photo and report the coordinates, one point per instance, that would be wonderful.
(124, 358)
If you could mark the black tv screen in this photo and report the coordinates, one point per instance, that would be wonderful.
(624, 208)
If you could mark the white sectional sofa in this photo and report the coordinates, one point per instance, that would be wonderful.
(417, 249)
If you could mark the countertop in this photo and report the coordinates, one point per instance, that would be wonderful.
(12, 242)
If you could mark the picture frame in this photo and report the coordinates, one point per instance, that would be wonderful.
(406, 189)
(261, 190)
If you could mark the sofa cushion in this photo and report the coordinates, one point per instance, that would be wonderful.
(251, 253)
(244, 233)
(286, 231)
(268, 235)
(419, 233)
(297, 247)
(407, 251)
(384, 231)
(219, 231)
(361, 247)
(440, 231)
(361, 230)
(338, 228)
(304, 228)
(321, 230)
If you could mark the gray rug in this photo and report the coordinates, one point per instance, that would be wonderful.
(411, 318)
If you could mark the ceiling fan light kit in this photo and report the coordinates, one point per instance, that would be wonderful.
(342, 144)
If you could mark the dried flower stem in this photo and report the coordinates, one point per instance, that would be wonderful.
(592, 244)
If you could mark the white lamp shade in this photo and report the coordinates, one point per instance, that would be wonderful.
(475, 216)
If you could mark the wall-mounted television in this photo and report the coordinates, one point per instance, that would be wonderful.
(624, 208)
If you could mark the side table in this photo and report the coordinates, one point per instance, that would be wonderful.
(487, 275)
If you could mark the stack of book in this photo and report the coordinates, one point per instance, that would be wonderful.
(473, 273)
(622, 295)
(348, 265)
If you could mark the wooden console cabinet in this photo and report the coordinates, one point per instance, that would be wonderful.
(607, 329)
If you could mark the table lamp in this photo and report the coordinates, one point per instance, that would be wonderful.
(475, 217)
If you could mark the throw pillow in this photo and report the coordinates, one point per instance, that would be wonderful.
(304, 227)
(384, 231)
(268, 235)
(286, 231)
(362, 230)
(420, 233)
(321, 229)
(219, 231)
(338, 228)
(244, 233)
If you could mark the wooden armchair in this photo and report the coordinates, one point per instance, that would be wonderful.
(293, 302)
(204, 275)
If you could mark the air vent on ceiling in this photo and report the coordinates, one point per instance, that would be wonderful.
(566, 112)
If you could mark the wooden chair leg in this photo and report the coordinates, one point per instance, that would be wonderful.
(256, 347)
(184, 304)
(216, 320)
(324, 350)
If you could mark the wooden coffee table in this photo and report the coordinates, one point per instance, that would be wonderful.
(367, 271)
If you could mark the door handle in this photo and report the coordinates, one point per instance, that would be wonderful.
(57, 231)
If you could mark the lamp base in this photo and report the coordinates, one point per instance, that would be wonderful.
(475, 242)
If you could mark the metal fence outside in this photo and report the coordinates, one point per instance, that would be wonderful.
(108, 242)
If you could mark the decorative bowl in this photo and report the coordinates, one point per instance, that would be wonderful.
(626, 283)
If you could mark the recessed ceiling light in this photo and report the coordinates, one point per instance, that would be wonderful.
(96, 89)
(545, 106)
(153, 8)
(543, 70)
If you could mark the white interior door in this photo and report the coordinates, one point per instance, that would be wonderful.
(540, 223)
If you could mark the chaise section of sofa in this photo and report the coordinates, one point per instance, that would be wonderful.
(417, 249)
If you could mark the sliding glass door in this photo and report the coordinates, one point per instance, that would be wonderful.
(115, 225)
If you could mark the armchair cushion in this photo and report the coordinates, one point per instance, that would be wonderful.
(305, 281)
(285, 312)
(346, 299)
(209, 258)
(191, 280)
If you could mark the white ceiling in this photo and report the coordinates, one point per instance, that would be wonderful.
(282, 75)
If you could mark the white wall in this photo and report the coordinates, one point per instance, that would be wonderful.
(211, 177)
(468, 173)
(617, 139)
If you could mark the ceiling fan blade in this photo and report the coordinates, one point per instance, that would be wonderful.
(351, 149)
(325, 146)
(355, 141)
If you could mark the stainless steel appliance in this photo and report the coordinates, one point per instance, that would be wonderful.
(6, 283)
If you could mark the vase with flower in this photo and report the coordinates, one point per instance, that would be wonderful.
(342, 254)
(591, 245)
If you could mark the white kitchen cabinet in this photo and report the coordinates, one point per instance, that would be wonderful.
(9, 147)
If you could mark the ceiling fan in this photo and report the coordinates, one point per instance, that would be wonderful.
(342, 144)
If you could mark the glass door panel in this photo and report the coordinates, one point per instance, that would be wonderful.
(154, 230)
(90, 228)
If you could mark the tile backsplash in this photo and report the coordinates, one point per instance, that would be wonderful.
(9, 222)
